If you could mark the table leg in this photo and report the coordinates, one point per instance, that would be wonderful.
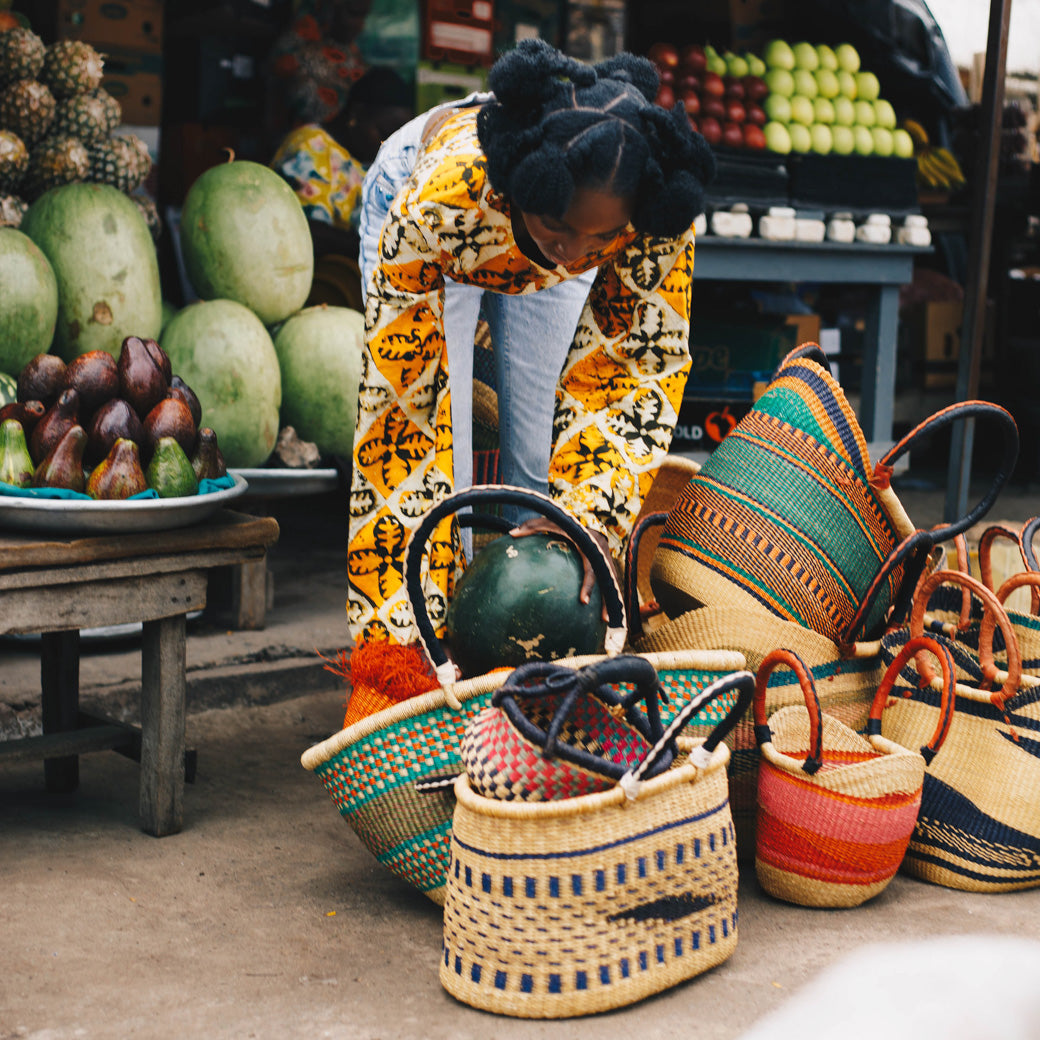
(59, 680)
(163, 691)
(879, 365)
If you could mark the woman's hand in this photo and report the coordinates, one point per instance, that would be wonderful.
(542, 525)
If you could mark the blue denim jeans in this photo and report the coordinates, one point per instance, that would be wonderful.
(531, 335)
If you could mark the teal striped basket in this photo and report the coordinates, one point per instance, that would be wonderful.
(371, 769)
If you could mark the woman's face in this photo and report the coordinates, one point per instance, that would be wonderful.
(592, 221)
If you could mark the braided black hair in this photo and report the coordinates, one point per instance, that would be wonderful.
(556, 124)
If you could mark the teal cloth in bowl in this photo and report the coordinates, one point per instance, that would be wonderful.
(206, 487)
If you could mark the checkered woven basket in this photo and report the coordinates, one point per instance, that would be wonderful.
(554, 733)
(370, 770)
(565, 908)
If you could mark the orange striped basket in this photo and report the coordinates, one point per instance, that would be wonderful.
(836, 810)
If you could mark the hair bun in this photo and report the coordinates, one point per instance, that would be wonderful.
(630, 68)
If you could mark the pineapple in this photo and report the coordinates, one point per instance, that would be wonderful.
(27, 109)
(115, 162)
(150, 212)
(14, 159)
(141, 158)
(84, 116)
(21, 55)
(71, 67)
(113, 110)
(12, 209)
(58, 159)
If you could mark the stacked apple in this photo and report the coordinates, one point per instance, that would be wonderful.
(820, 100)
(721, 92)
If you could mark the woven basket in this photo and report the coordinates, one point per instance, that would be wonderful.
(845, 678)
(370, 769)
(835, 809)
(554, 733)
(788, 516)
(979, 825)
(556, 909)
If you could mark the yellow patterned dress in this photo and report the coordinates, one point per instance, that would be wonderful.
(616, 403)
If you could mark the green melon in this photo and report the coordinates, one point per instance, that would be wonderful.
(8, 389)
(319, 352)
(105, 264)
(244, 237)
(223, 352)
(518, 601)
(29, 295)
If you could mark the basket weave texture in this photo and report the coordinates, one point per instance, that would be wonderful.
(370, 769)
(567, 908)
(979, 824)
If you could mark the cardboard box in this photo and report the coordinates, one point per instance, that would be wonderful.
(134, 79)
(733, 359)
(459, 31)
(125, 24)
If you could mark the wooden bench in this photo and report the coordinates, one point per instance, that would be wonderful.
(58, 585)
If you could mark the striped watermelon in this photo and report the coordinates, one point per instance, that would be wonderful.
(8, 389)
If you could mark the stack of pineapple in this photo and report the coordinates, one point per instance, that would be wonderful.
(57, 123)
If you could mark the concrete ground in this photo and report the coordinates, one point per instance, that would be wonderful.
(265, 917)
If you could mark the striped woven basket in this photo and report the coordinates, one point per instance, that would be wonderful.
(789, 516)
(565, 908)
(979, 825)
(835, 809)
(845, 677)
(370, 770)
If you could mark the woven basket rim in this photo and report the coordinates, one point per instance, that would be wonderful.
(665, 660)
(584, 804)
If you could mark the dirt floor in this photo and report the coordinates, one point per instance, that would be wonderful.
(267, 918)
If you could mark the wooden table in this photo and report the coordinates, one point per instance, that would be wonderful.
(61, 584)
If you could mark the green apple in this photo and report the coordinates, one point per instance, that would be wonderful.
(820, 136)
(756, 66)
(778, 108)
(778, 139)
(827, 83)
(844, 111)
(736, 65)
(778, 55)
(843, 142)
(864, 113)
(902, 144)
(847, 84)
(779, 81)
(802, 110)
(863, 140)
(717, 64)
(885, 114)
(848, 57)
(805, 56)
(882, 140)
(826, 57)
(804, 83)
(823, 109)
(867, 86)
(801, 138)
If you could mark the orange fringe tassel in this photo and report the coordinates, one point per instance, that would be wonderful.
(381, 675)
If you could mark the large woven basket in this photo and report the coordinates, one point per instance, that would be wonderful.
(979, 825)
(836, 809)
(370, 769)
(789, 516)
(570, 907)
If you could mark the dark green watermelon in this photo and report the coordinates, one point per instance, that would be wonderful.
(518, 601)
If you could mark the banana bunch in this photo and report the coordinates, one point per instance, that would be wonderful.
(937, 168)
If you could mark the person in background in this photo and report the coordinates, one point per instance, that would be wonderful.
(325, 164)
(316, 60)
(566, 169)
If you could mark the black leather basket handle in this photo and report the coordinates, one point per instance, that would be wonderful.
(946, 417)
(487, 494)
